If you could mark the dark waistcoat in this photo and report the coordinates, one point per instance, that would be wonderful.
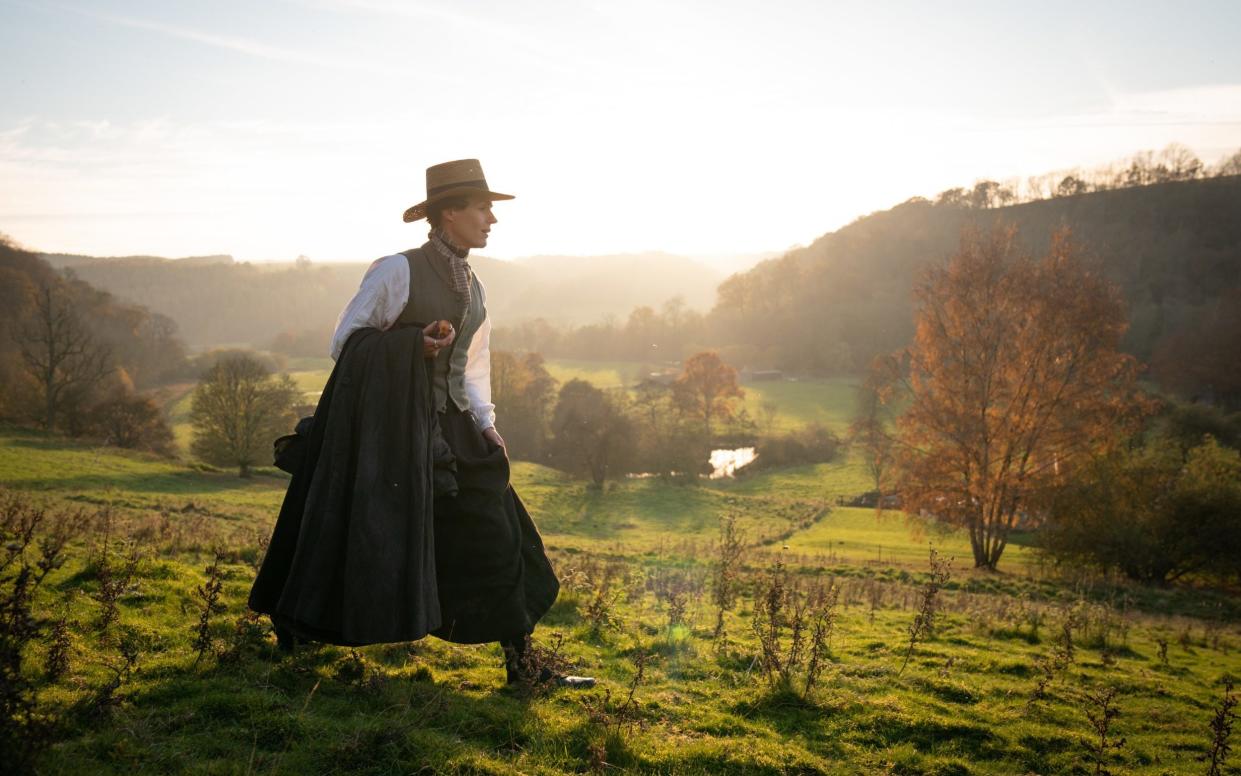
(431, 298)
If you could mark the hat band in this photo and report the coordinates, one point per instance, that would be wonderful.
(478, 184)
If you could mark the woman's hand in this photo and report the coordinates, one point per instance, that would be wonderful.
(436, 336)
(493, 436)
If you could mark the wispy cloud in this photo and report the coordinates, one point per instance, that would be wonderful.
(514, 38)
(1205, 104)
(241, 45)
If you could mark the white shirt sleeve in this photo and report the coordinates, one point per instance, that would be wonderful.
(381, 297)
(478, 372)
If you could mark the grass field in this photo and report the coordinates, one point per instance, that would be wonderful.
(636, 561)
(823, 400)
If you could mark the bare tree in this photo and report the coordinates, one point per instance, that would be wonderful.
(1178, 163)
(1230, 165)
(870, 431)
(59, 352)
(1071, 186)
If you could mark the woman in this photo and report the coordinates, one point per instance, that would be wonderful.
(492, 578)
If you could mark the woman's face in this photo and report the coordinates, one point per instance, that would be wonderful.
(469, 226)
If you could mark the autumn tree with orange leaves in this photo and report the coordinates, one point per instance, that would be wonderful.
(707, 387)
(1013, 376)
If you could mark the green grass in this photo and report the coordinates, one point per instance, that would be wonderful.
(141, 481)
(603, 374)
(963, 706)
(823, 400)
(310, 364)
(829, 401)
(310, 382)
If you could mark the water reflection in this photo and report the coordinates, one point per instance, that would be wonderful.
(725, 463)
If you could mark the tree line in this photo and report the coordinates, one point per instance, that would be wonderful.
(657, 427)
(660, 428)
(1174, 163)
(76, 360)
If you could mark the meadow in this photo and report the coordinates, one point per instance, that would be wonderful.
(902, 662)
(828, 401)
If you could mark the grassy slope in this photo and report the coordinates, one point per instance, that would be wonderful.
(961, 707)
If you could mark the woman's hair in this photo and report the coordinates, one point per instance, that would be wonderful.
(435, 210)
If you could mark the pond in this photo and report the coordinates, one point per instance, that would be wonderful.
(725, 463)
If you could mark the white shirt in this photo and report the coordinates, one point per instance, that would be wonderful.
(382, 296)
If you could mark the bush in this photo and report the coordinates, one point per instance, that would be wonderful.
(238, 409)
(814, 443)
(135, 422)
(1152, 513)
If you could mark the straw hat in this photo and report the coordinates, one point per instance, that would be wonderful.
(453, 179)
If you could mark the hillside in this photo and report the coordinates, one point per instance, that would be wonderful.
(216, 301)
(1174, 249)
(1004, 684)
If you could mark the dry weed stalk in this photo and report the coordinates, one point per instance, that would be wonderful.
(615, 720)
(600, 612)
(1100, 711)
(1221, 731)
(32, 546)
(725, 580)
(1063, 654)
(105, 698)
(209, 594)
(794, 629)
(114, 581)
(923, 624)
(56, 662)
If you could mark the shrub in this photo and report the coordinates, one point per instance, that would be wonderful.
(32, 546)
(131, 421)
(1152, 513)
(813, 443)
(794, 626)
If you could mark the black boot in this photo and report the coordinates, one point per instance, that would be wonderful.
(515, 652)
(522, 670)
(285, 639)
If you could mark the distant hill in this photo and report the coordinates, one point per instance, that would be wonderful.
(62, 260)
(217, 301)
(572, 289)
(1173, 248)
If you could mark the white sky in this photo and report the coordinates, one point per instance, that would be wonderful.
(268, 130)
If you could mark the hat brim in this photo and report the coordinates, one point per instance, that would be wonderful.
(419, 211)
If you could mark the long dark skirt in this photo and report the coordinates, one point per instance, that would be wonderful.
(494, 578)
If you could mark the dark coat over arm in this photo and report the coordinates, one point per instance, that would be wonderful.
(352, 556)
